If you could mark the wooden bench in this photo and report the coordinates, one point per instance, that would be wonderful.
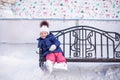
(88, 44)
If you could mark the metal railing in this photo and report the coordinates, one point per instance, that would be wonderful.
(88, 44)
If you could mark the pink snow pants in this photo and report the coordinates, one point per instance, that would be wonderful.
(56, 57)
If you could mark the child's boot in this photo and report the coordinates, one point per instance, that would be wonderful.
(61, 65)
(49, 65)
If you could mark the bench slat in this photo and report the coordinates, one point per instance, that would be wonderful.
(92, 60)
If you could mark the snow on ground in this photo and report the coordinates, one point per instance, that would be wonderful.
(20, 62)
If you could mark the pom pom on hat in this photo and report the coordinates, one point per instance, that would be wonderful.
(45, 23)
(44, 28)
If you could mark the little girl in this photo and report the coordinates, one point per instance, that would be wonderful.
(51, 48)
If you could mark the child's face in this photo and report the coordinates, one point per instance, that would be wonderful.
(43, 34)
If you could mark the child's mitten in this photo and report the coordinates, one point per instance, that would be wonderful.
(52, 48)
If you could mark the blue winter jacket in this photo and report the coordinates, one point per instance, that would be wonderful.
(46, 43)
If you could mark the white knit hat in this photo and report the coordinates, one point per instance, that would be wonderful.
(44, 28)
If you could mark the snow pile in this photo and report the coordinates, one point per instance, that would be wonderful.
(12, 68)
(19, 62)
(86, 72)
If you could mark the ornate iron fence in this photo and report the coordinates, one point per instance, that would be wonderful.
(88, 44)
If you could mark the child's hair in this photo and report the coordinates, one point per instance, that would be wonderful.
(45, 23)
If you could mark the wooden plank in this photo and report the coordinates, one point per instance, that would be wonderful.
(92, 60)
(89, 60)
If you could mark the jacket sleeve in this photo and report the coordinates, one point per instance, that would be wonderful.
(39, 43)
(55, 41)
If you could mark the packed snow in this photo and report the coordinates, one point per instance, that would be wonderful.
(20, 62)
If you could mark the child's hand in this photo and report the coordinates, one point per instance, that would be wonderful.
(52, 48)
